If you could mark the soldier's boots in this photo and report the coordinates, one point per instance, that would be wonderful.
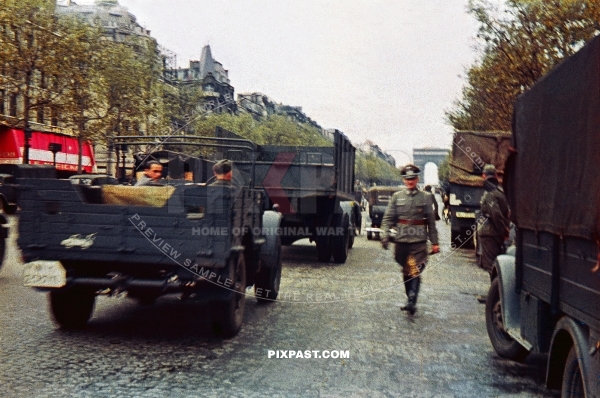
(412, 291)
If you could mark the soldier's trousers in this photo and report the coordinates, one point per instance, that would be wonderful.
(491, 247)
(412, 257)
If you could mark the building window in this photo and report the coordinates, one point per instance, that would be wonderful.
(2, 99)
(40, 115)
(12, 106)
(54, 116)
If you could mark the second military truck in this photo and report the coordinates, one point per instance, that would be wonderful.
(471, 151)
(312, 187)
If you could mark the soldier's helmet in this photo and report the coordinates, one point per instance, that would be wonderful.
(489, 170)
(410, 171)
(222, 167)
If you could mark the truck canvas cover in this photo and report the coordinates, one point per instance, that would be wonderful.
(471, 150)
(553, 146)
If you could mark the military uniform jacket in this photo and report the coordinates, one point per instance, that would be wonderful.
(411, 213)
(494, 207)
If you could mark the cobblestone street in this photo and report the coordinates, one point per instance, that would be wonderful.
(167, 349)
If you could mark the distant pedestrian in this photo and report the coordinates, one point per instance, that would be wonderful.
(410, 212)
(435, 203)
(495, 227)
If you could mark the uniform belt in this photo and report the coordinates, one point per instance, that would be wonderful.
(411, 222)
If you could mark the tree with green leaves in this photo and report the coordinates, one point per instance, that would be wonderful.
(373, 170)
(91, 84)
(31, 44)
(520, 41)
(444, 171)
(272, 130)
(83, 60)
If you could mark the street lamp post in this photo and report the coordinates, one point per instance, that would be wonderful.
(54, 148)
(124, 156)
(27, 134)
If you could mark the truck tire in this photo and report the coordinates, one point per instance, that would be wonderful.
(369, 235)
(228, 315)
(7, 207)
(461, 239)
(467, 235)
(324, 248)
(72, 308)
(572, 384)
(2, 250)
(503, 344)
(10, 208)
(268, 278)
(454, 238)
(341, 242)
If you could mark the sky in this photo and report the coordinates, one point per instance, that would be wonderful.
(383, 70)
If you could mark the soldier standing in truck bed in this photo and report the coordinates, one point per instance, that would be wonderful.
(410, 212)
(222, 173)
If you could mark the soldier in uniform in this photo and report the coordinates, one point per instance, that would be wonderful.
(495, 227)
(152, 174)
(222, 173)
(410, 212)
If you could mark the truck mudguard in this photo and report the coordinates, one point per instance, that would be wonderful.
(347, 209)
(567, 333)
(511, 305)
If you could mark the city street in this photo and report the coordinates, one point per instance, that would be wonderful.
(167, 349)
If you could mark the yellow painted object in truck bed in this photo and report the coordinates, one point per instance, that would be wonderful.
(137, 196)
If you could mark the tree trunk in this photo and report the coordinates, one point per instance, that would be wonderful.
(80, 147)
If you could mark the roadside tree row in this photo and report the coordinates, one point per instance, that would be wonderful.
(519, 42)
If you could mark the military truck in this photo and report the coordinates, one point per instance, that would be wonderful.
(313, 188)
(471, 151)
(186, 237)
(379, 198)
(545, 295)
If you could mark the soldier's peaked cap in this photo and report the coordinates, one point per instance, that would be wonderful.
(222, 167)
(410, 171)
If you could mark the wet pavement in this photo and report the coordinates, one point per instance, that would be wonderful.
(167, 349)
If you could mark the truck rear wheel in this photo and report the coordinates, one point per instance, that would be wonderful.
(2, 251)
(228, 315)
(352, 236)
(572, 385)
(503, 344)
(72, 308)
(341, 243)
(324, 248)
(269, 277)
(461, 239)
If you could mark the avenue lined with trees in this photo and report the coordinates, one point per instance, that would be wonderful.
(61, 71)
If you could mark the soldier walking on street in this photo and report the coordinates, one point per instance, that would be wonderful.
(410, 212)
(495, 228)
